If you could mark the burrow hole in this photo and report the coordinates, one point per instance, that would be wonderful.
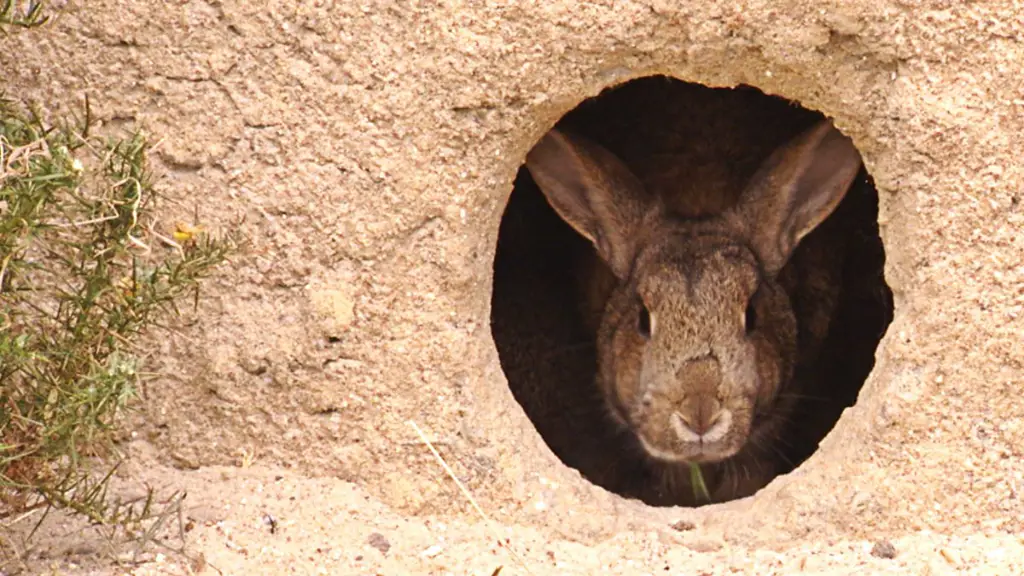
(684, 137)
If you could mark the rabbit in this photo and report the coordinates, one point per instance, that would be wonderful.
(695, 301)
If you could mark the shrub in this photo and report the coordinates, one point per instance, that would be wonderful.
(83, 272)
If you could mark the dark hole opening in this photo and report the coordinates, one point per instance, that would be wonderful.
(688, 135)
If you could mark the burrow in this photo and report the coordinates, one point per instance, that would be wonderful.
(545, 346)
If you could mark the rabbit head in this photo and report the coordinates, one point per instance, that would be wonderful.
(697, 338)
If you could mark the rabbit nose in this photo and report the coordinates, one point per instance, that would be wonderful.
(698, 415)
(707, 423)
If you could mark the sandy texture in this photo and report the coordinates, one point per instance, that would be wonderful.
(371, 147)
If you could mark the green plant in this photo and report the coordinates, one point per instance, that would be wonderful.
(27, 16)
(83, 272)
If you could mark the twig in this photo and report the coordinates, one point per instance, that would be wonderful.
(3, 269)
(20, 518)
(466, 493)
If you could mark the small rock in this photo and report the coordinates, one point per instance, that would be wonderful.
(254, 366)
(335, 309)
(683, 525)
(378, 541)
(883, 549)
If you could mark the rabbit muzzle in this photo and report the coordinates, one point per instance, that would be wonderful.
(686, 419)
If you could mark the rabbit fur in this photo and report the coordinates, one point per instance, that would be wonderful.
(690, 290)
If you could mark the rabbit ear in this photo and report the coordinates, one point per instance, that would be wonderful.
(594, 192)
(795, 189)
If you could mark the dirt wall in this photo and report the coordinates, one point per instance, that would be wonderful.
(371, 148)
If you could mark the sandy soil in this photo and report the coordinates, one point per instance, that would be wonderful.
(371, 148)
(264, 520)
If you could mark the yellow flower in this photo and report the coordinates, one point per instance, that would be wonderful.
(185, 232)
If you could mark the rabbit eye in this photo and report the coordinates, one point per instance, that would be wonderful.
(750, 317)
(643, 325)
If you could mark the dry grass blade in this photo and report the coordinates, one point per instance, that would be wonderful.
(469, 497)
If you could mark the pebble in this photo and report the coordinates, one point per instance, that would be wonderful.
(378, 541)
(683, 525)
(883, 549)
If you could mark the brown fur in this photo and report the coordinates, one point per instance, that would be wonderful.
(695, 251)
